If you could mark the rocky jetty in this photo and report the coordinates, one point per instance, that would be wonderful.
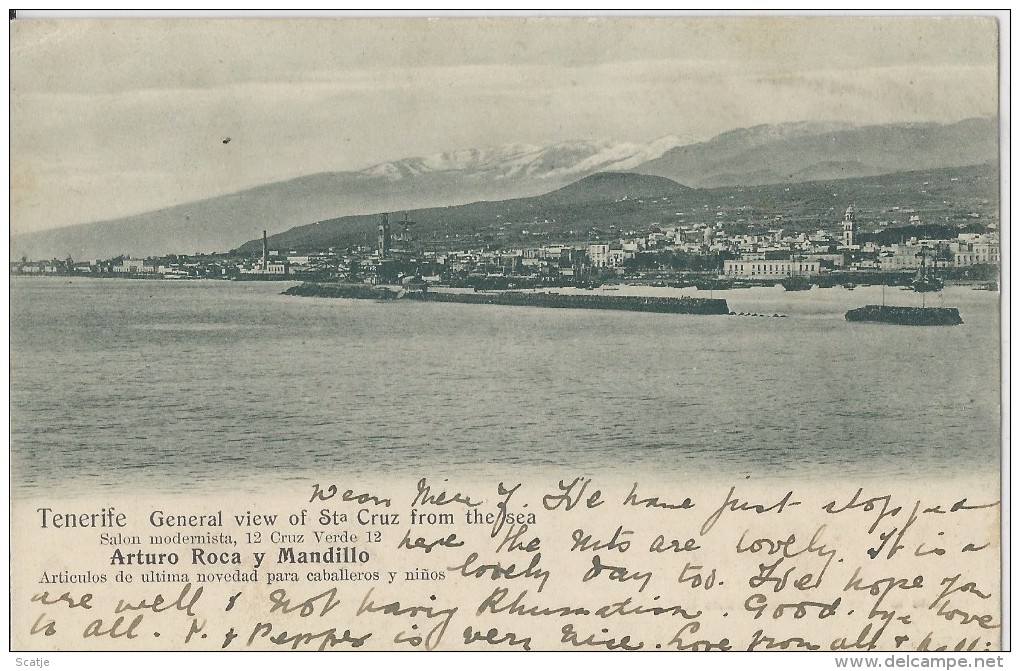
(361, 291)
(906, 316)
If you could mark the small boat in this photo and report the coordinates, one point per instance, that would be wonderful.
(713, 285)
(796, 283)
(928, 285)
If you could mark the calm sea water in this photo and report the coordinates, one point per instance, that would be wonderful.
(190, 385)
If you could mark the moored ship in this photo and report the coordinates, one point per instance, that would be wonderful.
(926, 280)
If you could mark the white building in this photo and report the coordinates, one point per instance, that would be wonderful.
(974, 249)
(129, 266)
(599, 255)
(272, 267)
(900, 257)
(618, 256)
(765, 269)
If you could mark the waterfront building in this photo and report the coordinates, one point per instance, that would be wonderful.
(764, 269)
(270, 266)
(900, 257)
(134, 266)
(975, 249)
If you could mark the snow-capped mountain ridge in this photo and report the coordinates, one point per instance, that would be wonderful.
(564, 159)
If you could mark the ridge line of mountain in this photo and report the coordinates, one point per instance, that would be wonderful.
(758, 155)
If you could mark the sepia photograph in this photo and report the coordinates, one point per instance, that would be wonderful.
(509, 333)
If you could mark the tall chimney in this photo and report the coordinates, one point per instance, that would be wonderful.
(383, 244)
(265, 251)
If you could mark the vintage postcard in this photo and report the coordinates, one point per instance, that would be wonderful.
(507, 334)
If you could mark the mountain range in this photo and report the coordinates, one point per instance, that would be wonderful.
(783, 153)
(608, 204)
(811, 152)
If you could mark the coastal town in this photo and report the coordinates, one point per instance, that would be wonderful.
(688, 254)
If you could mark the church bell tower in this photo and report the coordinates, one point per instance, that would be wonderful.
(849, 227)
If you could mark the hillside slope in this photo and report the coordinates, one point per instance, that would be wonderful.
(601, 204)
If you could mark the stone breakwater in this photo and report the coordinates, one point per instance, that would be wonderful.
(695, 306)
(906, 316)
(361, 291)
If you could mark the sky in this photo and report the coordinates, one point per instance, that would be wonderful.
(112, 117)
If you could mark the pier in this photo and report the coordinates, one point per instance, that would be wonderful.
(684, 305)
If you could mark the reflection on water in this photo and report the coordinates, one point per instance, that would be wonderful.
(180, 385)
